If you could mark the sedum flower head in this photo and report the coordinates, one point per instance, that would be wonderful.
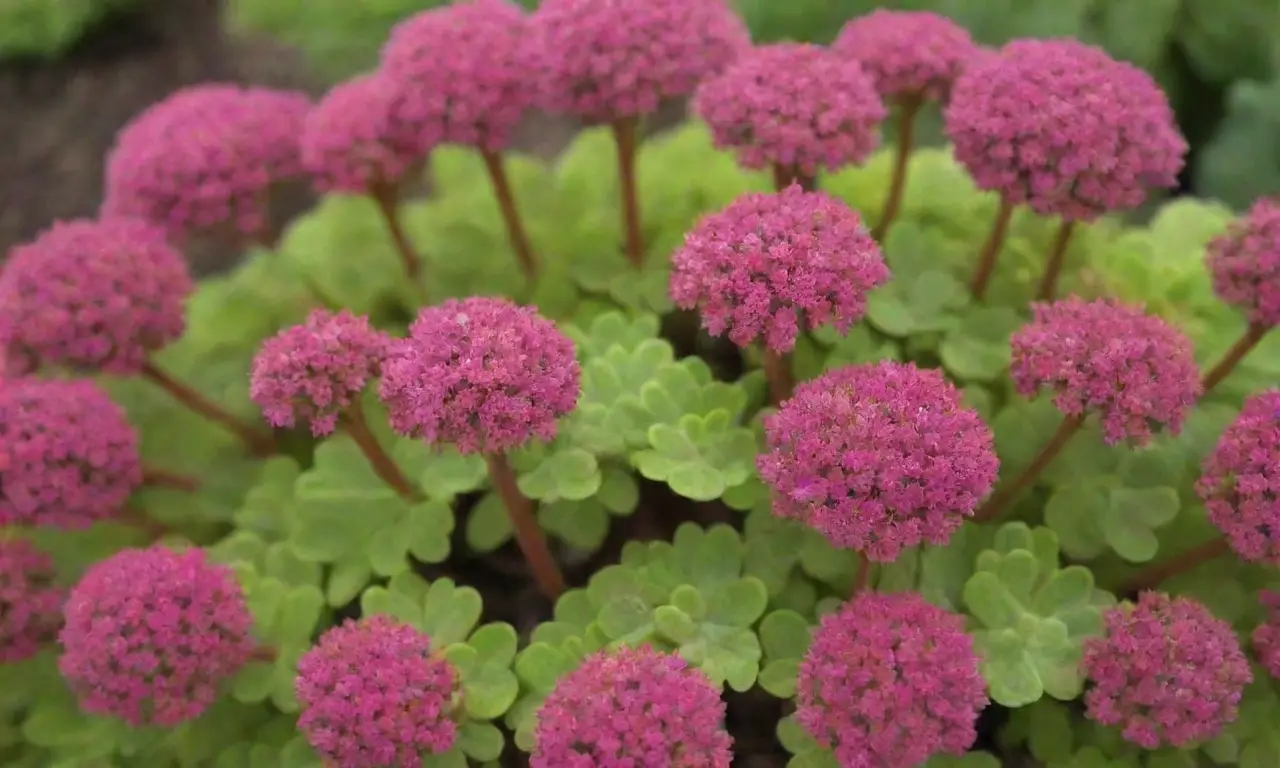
(482, 374)
(313, 372)
(1240, 479)
(205, 158)
(1166, 671)
(374, 696)
(794, 105)
(1135, 370)
(878, 458)
(95, 295)
(890, 680)
(1062, 127)
(908, 54)
(1245, 264)
(30, 603)
(607, 60)
(1266, 638)
(467, 71)
(632, 707)
(151, 633)
(770, 265)
(68, 455)
(356, 138)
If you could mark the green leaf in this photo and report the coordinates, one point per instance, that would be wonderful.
(978, 348)
(1050, 734)
(450, 612)
(785, 635)
(480, 741)
(1131, 517)
(619, 492)
(728, 655)
(341, 503)
(991, 602)
(346, 578)
(569, 473)
(1012, 678)
(488, 525)
(1074, 512)
(737, 603)
(778, 678)
(299, 614)
(583, 525)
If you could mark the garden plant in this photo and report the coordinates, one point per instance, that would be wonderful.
(753, 442)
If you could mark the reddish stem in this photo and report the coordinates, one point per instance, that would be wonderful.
(516, 234)
(258, 441)
(784, 176)
(991, 250)
(528, 535)
(1057, 257)
(1154, 575)
(777, 373)
(626, 140)
(163, 478)
(864, 571)
(1243, 346)
(264, 653)
(357, 427)
(136, 518)
(387, 198)
(995, 504)
(909, 107)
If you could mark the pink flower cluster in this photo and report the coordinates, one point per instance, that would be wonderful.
(68, 454)
(770, 265)
(632, 707)
(96, 295)
(1245, 264)
(890, 680)
(607, 61)
(908, 54)
(794, 106)
(878, 458)
(482, 374)
(1135, 370)
(205, 158)
(1064, 128)
(374, 696)
(1266, 638)
(150, 635)
(1167, 671)
(1240, 481)
(30, 602)
(311, 373)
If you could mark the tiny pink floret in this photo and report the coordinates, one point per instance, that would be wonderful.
(30, 601)
(1266, 637)
(1244, 263)
(1240, 481)
(908, 54)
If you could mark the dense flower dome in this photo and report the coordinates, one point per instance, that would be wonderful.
(890, 681)
(1245, 264)
(68, 454)
(374, 696)
(632, 707)
(795, 106)
(607, 60)
(1135, 370)
(1239, 481)
(30, 601)
(93, 295)
(151, 634)
(482, 374)
(467, 71)
(1266, 638)
(1062, 127)
(771, 265)
(908, 54)
(1167, 672)
(205, 158)
(878, 458)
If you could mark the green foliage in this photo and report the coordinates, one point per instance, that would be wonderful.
(47, 29)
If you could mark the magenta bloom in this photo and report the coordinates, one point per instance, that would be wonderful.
(313, 372)
(30, 603)
(1064, 128)
(1266, 638)
(356, 138)
(1245, 264)
(482, 374)
(1167, 671)
(878, 458)
(606, 61)
(632, 707)
(68, 455)
(95, 295)
(205, 158)
(374, 696)
(908, 54)
(468, 72)
(1135, 370)
(769, 265)
(150, 635)
(795, 106)
(1240, 479)
(890, 680)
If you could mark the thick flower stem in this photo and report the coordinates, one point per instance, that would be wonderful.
(908, 108)
(263, 653)
(357, 427)
(784, 177)
(1243, 346)
(139, 520)
(163, 478)
(864, 572)
(258, 441)
(387, 198)
(991, 250)
(777, 373)
(1000, 499)
(625, 138)
(1057, 257)
(1156, 574)
(529, 536)
(516, 234)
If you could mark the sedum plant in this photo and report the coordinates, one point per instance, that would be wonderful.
(760, 477)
